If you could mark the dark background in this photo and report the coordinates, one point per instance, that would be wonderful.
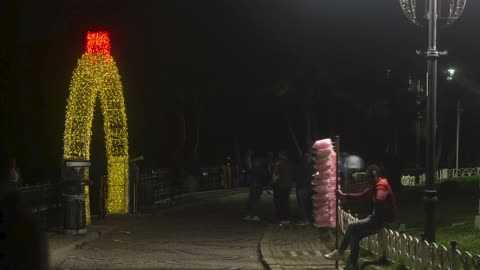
(223, 66)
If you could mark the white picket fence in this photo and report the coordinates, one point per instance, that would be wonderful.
(443, 174)
(413, 252)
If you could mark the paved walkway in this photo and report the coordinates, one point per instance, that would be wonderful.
(206, 232)
(294, 247)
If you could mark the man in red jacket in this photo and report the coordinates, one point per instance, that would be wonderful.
(383, 211)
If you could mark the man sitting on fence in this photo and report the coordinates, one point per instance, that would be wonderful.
(383, 211)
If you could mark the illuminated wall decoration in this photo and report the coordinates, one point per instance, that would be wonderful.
(96, 75)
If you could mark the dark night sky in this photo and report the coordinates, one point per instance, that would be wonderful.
(228, 55)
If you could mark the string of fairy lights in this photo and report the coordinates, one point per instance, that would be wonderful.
(97, 76)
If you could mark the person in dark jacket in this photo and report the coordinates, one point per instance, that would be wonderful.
(384, 210)
(282, 187)
(304, 192)
(259, 178)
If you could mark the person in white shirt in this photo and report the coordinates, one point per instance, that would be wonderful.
(14, 175)
(353, 163)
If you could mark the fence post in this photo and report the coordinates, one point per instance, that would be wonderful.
(382, 243)
(453, 261)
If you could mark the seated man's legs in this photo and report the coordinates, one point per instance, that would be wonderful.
(359, 230)
(356, 231)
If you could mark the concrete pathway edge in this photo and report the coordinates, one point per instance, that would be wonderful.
(57, 255)
(266, 256)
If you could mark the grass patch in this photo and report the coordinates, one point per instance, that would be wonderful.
(373, 262)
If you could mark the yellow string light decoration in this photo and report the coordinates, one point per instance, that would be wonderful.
(96, 75)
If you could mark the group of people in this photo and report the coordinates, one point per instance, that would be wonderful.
(282, 173)
(278, 174)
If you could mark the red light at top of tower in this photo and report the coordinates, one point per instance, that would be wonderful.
(98, 43)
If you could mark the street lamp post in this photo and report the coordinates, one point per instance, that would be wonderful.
(450, 76)
(430, 193)
(432, 54)
(458, 137)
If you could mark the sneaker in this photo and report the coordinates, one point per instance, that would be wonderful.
(302, 223)
(334, 256)
(284, 222)
(247, 218)
(255, 218)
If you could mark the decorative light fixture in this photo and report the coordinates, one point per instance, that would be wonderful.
(96, 75)
(450, 14)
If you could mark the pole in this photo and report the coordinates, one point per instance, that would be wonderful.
(135, 185)
(417, 140)
(337, 150)
(458, 137)
(430, 194)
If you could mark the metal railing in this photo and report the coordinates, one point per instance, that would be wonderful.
(40, 197)
(153, 188)
(156, 188)
(443, 174)
(412, 252)
(43, 201)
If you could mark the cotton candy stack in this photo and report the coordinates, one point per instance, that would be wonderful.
(324, 184)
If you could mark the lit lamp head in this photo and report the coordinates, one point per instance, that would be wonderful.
(450, 74)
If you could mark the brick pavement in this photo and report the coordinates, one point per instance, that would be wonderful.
(294, 247)
(60, 244)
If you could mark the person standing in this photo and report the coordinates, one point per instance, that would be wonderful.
(352, 164)
(14, 175)
(304, 190)
(271, 163)
(283, 179)
(259, 178)
(383, 211)
(248, 159)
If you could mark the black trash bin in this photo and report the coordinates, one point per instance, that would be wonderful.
(73, 197)
(74, 213)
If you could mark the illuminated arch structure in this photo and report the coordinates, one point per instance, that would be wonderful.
(96, 75)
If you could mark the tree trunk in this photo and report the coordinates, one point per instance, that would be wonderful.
(236, 149)
(181, 127)
(294, 138)
(308, 127)
(316, 133)
(195, 130)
